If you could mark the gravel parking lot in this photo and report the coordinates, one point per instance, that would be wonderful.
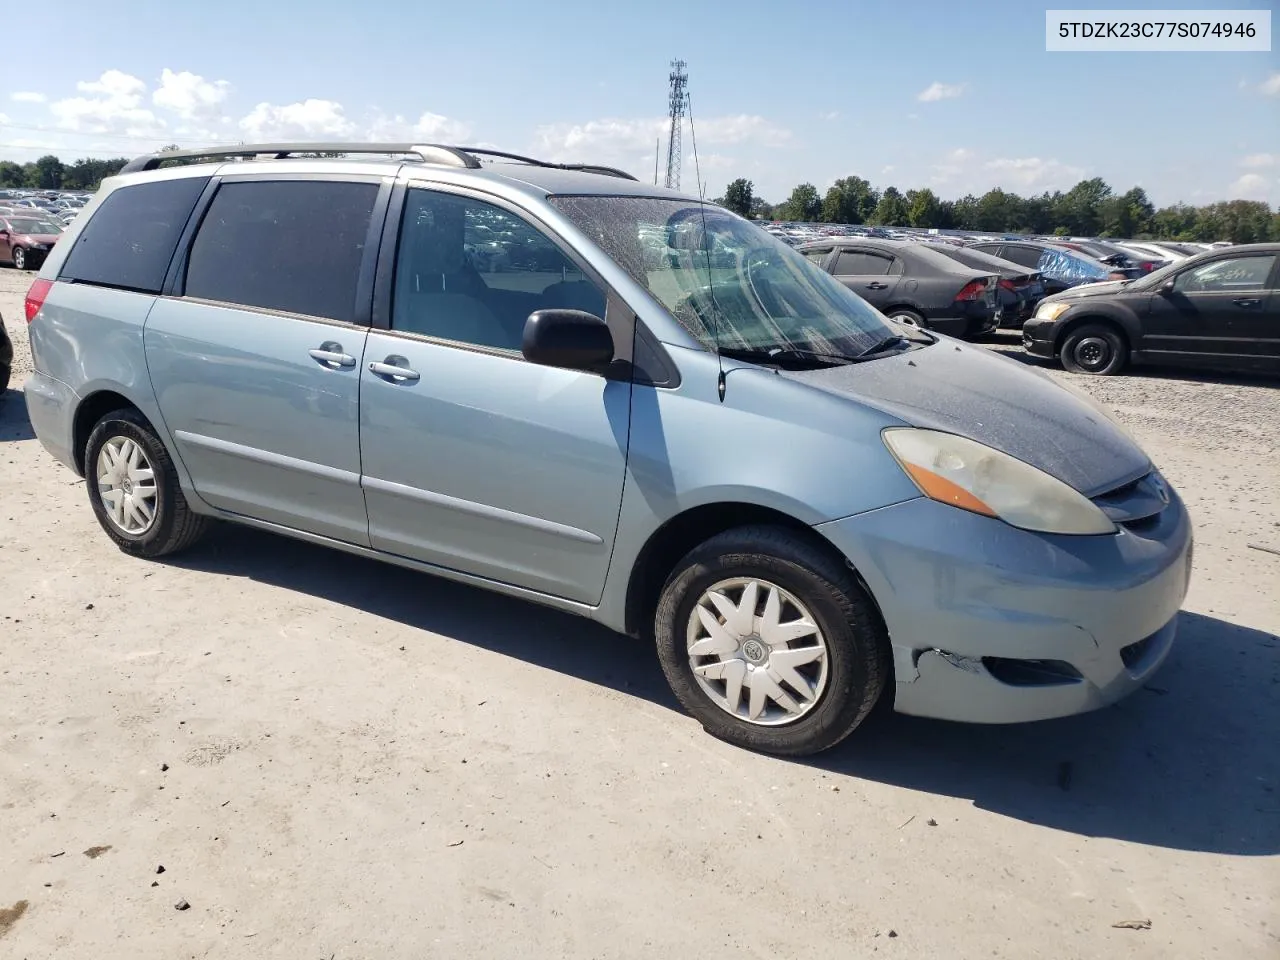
(328, 757)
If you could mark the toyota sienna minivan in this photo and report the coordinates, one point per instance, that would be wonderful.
(562, 384)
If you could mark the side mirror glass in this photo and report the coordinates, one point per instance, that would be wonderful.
(1167, 287)
(572, 339)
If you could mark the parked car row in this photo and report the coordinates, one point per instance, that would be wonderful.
(60, 206)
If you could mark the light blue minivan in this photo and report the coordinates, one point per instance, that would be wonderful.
(562, 384)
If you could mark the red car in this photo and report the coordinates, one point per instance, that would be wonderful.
(24, 241)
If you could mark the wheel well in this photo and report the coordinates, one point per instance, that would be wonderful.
(902, 306)
(675, 538)
(92, 409)
(1078, 322)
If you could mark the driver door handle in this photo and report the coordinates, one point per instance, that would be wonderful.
(1247, 303)
(877, 285)
(331, 354)
(396, 369)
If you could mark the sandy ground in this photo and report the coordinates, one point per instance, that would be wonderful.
(335, 758)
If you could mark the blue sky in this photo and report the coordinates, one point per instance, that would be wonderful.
(956, 96)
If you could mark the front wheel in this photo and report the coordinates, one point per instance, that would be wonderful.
(134, 489)
(770, 642)
(1095, 349)
(19, 258)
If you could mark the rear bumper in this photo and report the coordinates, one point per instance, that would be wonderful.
(991, 624)
(51, 406)
(982, 321)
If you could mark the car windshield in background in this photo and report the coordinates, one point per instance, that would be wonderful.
(726, 281)
(29, 226)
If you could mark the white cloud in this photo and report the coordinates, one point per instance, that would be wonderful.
(1271, 86)
(115, 107)
(3, 119)
(1260, 160)
(888, 169)
(190, 96)
(1251, 186)
(829, 115)
(1034, 174)
(308, 118)
(941, 91)
(428, 128)
(607, 139)
(966, 171)
(27, 96)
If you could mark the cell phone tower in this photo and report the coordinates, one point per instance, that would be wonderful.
(678, 103)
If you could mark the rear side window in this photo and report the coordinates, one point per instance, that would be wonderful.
(816, 256)
(291, 245)
(857, 263)
(130, 240)
(1026, 256)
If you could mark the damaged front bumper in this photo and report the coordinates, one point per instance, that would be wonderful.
(992, 624)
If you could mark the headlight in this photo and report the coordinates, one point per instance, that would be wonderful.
(1051, 311)
(975, 477)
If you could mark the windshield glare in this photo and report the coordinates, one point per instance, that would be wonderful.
(725, 280)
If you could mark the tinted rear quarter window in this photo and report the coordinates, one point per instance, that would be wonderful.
(289, 245)
(1024, 255)
(131, 238)
(857, 263)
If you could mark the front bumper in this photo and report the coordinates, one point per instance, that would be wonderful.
(991, 624)
(1038, 337)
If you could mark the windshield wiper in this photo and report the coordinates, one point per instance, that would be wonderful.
(884, 344)
(783, 355)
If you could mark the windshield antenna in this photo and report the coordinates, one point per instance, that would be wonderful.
(706, 247)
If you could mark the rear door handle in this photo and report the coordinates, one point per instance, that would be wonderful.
(394, 368)
(1247, 302)
(330, 353)
(877, 285)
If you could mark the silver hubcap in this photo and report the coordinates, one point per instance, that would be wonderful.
(19, 259)
(757, 652)
(127, 485)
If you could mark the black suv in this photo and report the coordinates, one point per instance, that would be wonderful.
(1220, 309)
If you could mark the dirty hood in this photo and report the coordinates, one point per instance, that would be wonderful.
(968, 390)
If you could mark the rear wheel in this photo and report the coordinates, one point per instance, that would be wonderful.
(1096, 349)
(908, 317)
(770, 643)
(19, 258)
(133, 488)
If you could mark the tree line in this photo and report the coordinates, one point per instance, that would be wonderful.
(1089, 209)
(50, 173)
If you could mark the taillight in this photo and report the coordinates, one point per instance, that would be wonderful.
(1008, 285)
(35, 297)
(1147, 267)
(973, 290)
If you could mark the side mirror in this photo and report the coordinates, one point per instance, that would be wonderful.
(571, 339)
(1166, 288)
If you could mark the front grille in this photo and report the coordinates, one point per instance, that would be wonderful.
(1031, 673)
(1133, 654)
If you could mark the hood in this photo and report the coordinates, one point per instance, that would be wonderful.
(967, 390)
(1100, 288)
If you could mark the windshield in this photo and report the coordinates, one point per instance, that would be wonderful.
(26, 225)
(726, 281)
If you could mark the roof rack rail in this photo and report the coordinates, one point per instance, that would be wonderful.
(428, 153)
(581, 167)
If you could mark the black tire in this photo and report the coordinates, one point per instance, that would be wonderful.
(858, 655)
(19, 256)
(909, 317)
(175, 525)
(1095, 348)
(5, 372)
